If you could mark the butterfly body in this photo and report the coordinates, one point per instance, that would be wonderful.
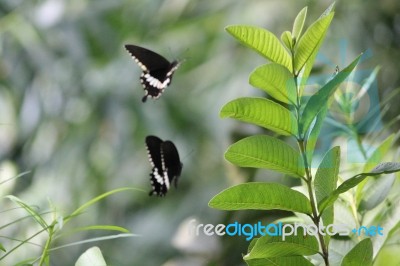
(157, 71)
(167, 167)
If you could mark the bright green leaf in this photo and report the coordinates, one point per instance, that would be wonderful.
(320, 99)
(261, 196)
(360, 255)
(299, 23)
(382, 168)
(293, 245)
(263, 42)
(281, 261)
(266, 152)
(305, 73)
(262, 112)
(311, 41)
(92, 256)
(286, 38)
(276, 80)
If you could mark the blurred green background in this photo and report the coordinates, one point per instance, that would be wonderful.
(71, 113)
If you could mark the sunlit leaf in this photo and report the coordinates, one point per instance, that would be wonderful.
(263, 42)
(261, 196)
(299, 23)
(266, 152)
(261, 112)
(91, 257)
(311, 41)
(275, 80)
(286, 38)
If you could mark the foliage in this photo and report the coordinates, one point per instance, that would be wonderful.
(55, 229)
(293, 114)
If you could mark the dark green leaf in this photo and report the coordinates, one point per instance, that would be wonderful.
(293, 245)
(325, 182)
(320, 99)
(262, 112)
(280, 261)
(261, 196)
(314, 134)
(360, 255)
(382, 168)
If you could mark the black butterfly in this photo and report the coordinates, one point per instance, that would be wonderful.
(164, 159)
(157, 71)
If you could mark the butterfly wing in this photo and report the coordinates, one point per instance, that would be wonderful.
(157, 71)
(147, 60)
(172, 165)
(159, 183)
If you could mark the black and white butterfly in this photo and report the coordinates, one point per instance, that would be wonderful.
(157, 71)
(167, 167)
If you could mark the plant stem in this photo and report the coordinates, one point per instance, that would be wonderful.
(315, 217)
(45, 252)
(301, 139)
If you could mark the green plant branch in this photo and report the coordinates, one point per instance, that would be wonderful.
(301, 140)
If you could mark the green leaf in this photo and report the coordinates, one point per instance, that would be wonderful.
(286, 38)
(261, 196)
(252, 243)
(378, 155)
(327, 174)
(86, 205)
(325, 182)
(281, 261)
(314, 134)
(92, 256)
(360, 255)
(293, 245)
(299, 23)
(261, 112)
(305, 73)
(382, 168)
(32, 212)
(266, 152)
(2, 248)
(275, 80)
(320, 99)
(311, 41)
(263, 42)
